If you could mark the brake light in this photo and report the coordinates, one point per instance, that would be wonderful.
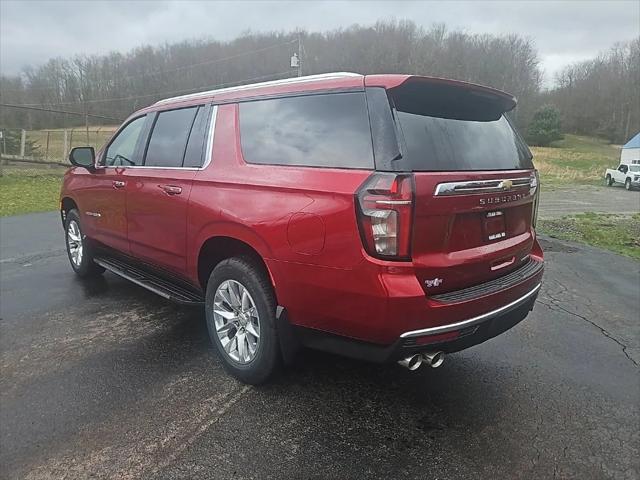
(384, 205)
(534, 190)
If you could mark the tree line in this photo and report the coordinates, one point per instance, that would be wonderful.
(116, 84)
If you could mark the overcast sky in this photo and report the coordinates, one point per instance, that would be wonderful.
(34, 31)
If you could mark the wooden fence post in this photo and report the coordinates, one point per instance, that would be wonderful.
(46, 150)
(65, 147)
(23, 141)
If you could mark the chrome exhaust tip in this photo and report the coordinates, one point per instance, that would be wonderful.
(433, 359)
(412, 363)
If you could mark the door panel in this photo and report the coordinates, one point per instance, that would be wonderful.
(104, 208)
(157, 201)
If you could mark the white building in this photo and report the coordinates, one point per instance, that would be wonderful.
(631, 151)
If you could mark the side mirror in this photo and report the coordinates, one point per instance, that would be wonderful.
(83, 157)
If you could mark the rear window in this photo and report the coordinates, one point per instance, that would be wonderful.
(448, 128)
(327, 130)
(434, 143)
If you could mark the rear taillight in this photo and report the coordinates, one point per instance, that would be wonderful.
(534, 191)
(384, 205)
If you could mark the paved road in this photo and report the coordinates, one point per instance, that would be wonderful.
(105, 380)
(558, 202)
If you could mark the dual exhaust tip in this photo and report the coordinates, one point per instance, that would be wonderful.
(433, 359)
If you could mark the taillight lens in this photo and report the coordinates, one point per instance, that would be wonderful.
(384, 206)
(535, 192)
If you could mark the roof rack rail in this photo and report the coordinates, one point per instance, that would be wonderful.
(271, 83)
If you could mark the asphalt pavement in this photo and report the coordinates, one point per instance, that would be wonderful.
(103, 379)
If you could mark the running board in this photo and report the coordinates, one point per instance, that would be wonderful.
(155, 283)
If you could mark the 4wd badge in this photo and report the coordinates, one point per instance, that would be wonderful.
(436, 282)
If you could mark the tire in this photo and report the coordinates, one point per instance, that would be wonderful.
(79, 249)
(627, 184)
(251, 359)
(609, 181)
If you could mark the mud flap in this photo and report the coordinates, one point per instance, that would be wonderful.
(289, 343)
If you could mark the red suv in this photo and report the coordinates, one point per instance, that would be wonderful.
(382, 217)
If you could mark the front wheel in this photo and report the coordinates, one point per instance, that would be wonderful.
(240, 310)
(609, 181)
(79, 249)
(627, 184)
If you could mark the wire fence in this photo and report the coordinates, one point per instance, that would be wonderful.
(51, 146)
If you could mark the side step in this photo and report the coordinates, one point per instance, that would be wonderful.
(159, 285)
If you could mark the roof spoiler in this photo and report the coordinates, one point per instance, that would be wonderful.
(450, 99)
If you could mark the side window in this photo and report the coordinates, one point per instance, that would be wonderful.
(327, 130)
(623, 168)
(194, 154)
(169, 138)
(122, 150)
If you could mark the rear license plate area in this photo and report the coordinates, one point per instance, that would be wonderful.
(494, 226)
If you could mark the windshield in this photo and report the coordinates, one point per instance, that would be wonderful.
(634, 168)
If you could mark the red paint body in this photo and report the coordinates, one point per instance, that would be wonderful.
(302, 222)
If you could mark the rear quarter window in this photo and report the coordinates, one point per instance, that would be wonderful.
(326, 130)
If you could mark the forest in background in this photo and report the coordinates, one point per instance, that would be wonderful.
(599, 97)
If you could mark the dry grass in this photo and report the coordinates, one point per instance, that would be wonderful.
(575, 160)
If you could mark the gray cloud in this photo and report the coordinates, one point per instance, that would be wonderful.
(34, 31)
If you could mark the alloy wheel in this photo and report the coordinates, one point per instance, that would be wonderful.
(237, 322)
(74, 241)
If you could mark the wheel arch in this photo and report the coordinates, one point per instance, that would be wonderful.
(66, 204)
(217, 247)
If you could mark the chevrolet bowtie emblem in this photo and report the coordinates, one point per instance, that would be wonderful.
(506, 184)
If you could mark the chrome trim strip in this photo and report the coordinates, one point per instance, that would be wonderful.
(394, 202)
(271, 83)
(207, 160)
(483, 186)
(210, 136)
(472, 321)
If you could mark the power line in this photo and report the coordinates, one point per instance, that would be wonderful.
(29, 107)
(162, 72)
(189, 90)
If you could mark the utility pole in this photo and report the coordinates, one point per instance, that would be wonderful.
(299, 55)
(296, 58)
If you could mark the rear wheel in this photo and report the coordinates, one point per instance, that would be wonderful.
(609, 181)
(79, 249)
(627, 184)
(240, 311)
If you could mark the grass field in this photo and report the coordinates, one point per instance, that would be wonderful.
(618, 233)
(575, 160)
(26, 189)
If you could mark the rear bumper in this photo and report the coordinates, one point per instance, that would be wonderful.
(461, 335)
(384, 304)
(477, 320)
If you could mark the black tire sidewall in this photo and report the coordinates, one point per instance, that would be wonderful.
(627, 184)
(254, 280)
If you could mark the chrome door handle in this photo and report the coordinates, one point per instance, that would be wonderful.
(118, 184)
(171, 189)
